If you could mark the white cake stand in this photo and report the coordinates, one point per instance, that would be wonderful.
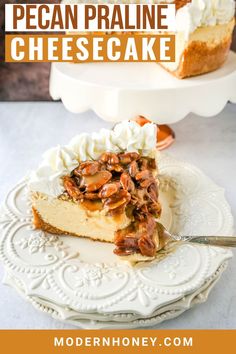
(121, 91)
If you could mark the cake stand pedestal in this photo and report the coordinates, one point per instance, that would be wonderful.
(122, 91)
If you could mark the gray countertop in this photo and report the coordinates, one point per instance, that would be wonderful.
(28, 129)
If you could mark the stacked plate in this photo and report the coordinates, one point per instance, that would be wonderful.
(82, 282)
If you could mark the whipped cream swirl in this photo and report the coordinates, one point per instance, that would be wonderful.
(61, 160)
(200, 13)
(56, 162)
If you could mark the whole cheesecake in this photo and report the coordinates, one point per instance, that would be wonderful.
(103, 186)
(203, 34)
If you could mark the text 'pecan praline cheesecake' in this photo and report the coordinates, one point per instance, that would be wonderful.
(203, 33)
(103, 186)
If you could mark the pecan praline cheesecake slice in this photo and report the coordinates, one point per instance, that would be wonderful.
(103, 186)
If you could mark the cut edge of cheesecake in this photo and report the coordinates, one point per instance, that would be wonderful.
(48, 212)
(39, 223)
(205, 51)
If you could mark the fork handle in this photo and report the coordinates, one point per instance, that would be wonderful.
(225, 241)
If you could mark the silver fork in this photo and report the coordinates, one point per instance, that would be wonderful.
(222, 241)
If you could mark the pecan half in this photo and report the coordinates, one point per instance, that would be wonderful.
(143, 163)
(89, 168)
(152, 192)
(133, 168)
(147, 182)
(147, 246)
(96, 181)
(152, 164)
(108, 190)
(145, 174)
(77, 172)
(126, 182)
(116, 168)
(128, 157)
(91, 196)
(117, 211)
(137, 237)
(155, 209)
(110, 158)
(127, 242)
(117, 200)
(72, 188)
(146, 163)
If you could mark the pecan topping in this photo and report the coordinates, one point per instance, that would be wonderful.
(121, 183)
(137, 237)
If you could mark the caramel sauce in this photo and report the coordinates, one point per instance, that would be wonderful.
(92, 205)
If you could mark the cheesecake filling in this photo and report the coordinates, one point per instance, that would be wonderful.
(117, 184)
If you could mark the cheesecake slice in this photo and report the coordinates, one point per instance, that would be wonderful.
(103, 186)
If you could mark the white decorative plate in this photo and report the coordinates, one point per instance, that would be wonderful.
(86, 277)
(121, 91)
(125, 320)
